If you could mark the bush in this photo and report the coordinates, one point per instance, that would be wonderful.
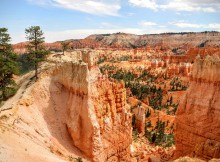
(9, 92)
(170, 140)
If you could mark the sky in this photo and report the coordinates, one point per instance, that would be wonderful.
(75, 19)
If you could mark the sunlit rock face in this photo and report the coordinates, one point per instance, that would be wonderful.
(140, 119)
(180, 43)
(197, 130)
(99, 119)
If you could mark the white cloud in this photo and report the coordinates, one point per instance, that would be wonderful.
(203, 2)
(151, 4)
(147, 23)
(96, 7)
(179, 5)
(185, 25)
(186, 6)
(217, 26)
(182, 24)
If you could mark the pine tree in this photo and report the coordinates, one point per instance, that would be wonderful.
(148, 113)
(8, 65)
(171, 100)
(36, 50)
(133, 120)
(65, 46)
(154, 137)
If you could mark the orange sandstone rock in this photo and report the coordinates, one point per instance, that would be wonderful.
(140, 119)
(99, 119)
(197, 130)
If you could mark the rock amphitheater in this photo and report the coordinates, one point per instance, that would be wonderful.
(75, 111)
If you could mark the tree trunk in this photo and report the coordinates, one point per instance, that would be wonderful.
(36, 48)
(36, 70)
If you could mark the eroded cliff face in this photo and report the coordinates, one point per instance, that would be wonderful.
(71, 111)
(175, 43)
(166, 40)
(99, 119)
(197, 130)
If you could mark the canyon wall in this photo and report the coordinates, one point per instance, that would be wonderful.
(197, 130)
(160, 41)
(99, 119)
(71, 111)
(169, 43)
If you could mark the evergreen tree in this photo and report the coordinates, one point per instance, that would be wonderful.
(8, 65)
(148, 113)
(37, 53)
(65, 46)
(171, 100)
(25, 64)
(154, 137)
(133, 120)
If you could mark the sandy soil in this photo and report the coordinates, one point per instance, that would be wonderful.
(32, 127)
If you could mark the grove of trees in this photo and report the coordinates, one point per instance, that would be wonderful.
(12, 64)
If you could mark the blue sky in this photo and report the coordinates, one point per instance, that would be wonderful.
(73, 19)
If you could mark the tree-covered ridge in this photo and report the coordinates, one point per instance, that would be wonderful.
(11, 64)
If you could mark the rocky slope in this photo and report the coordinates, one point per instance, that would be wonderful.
(197, 130)
(72, 110)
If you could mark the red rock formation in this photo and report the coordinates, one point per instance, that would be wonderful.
(71, 111)
(182, 69)
(20, 48)
(203, 52)
(140, 119)
(197, 130)
(159, 44)
(99, 120)
(175, 58)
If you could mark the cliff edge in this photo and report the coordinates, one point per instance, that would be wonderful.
(99, 119)
(197, 130)
(71, 111)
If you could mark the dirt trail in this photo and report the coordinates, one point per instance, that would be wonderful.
(23, 82)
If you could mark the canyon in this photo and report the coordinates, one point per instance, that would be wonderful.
(119, 97)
